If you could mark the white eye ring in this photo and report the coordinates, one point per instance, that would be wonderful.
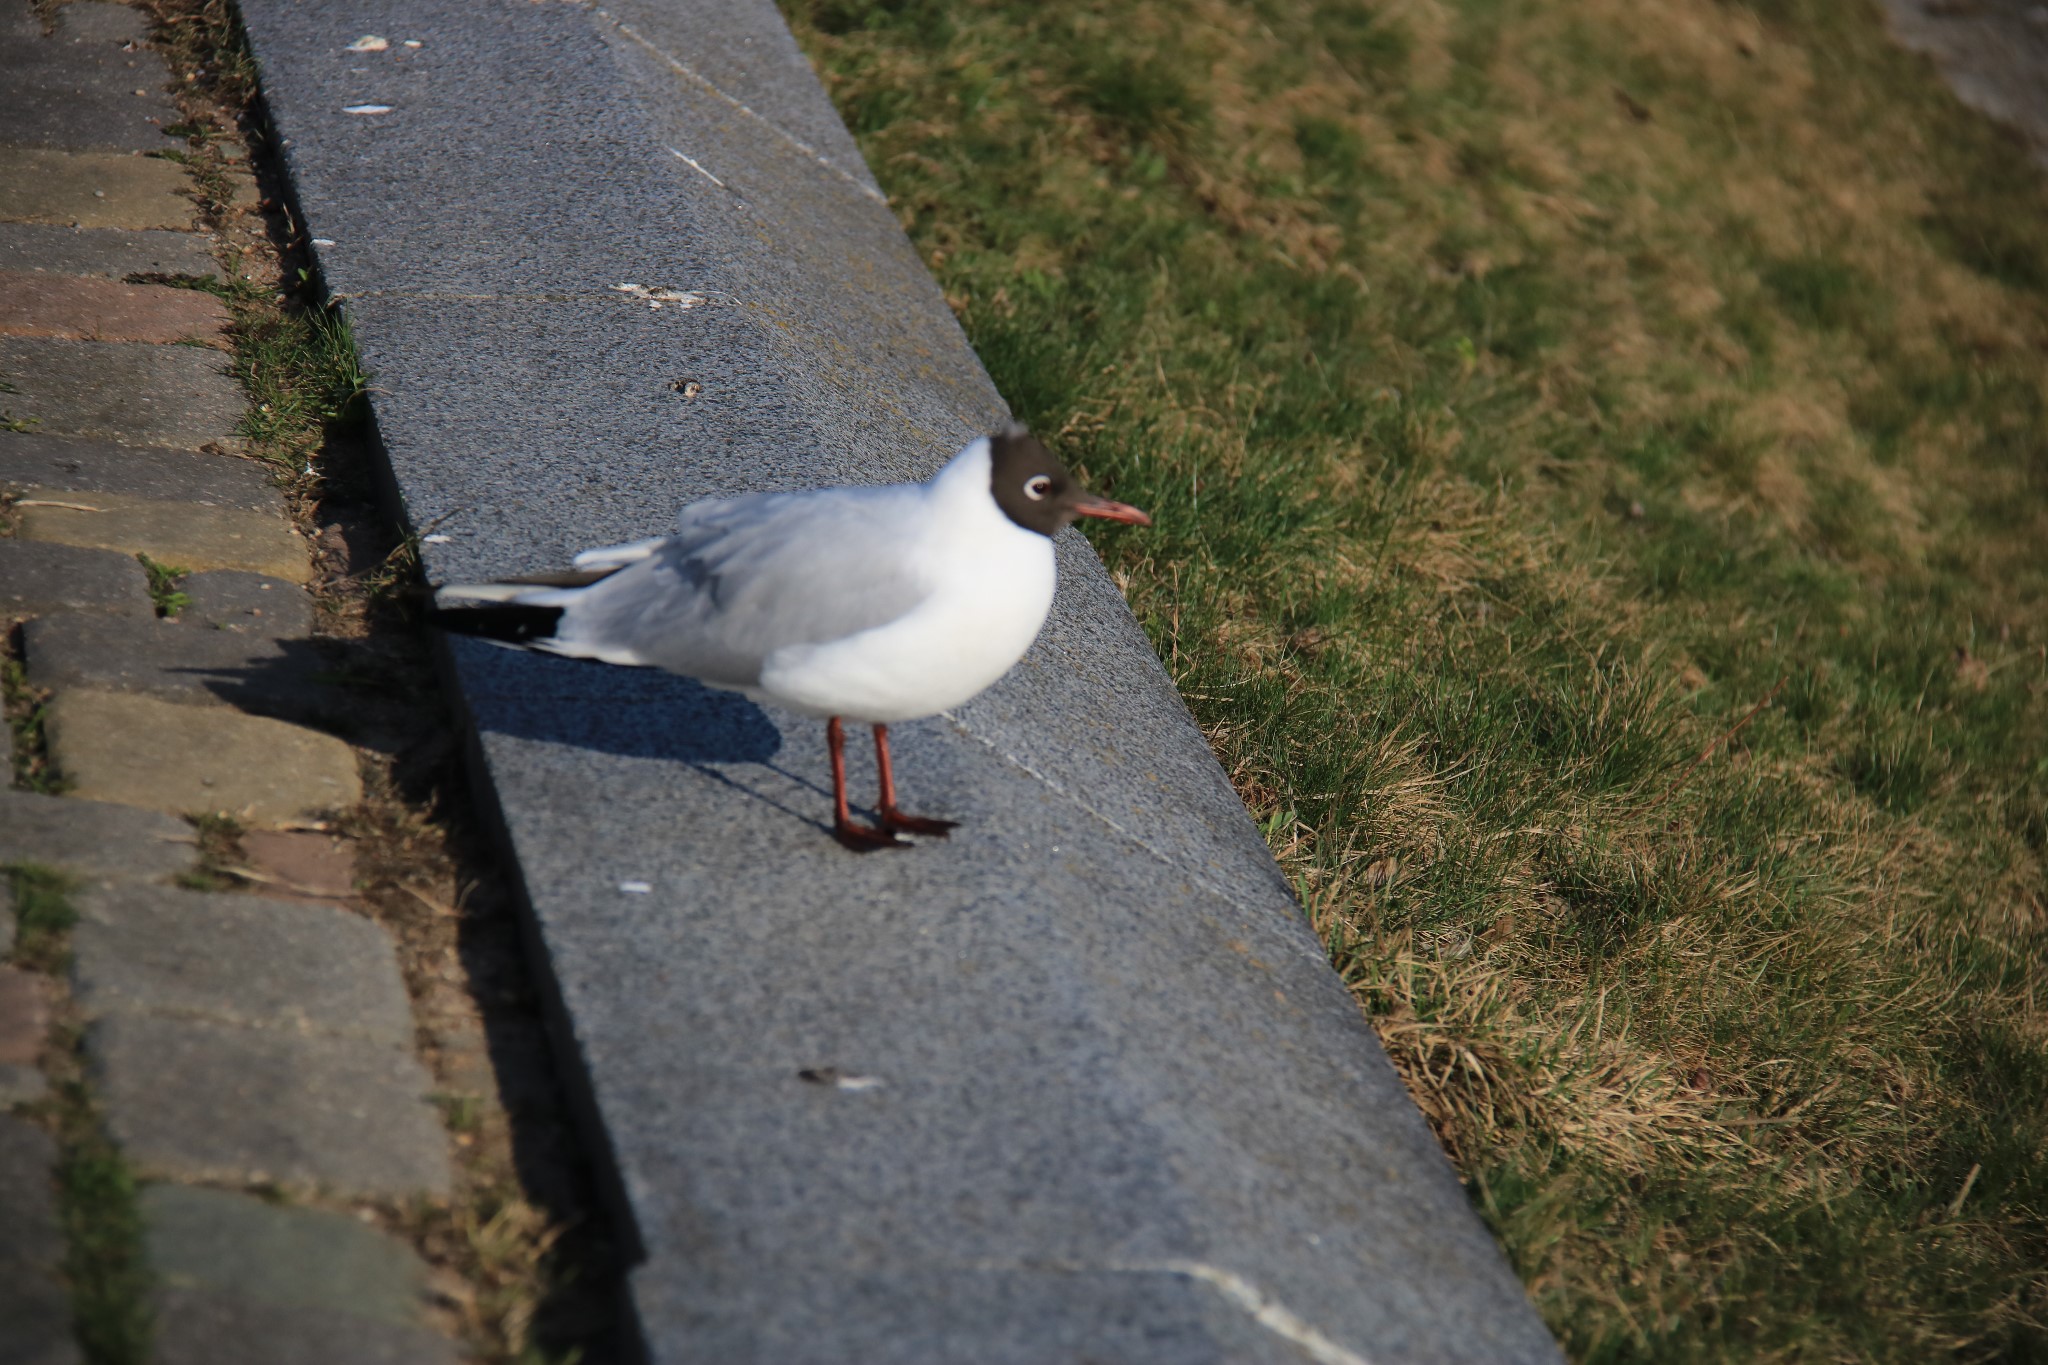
(1037, 486)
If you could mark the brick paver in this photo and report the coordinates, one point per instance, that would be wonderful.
(195, 1100)
(138, 751)
(303, 865)
(35, 1310)
(59, 465)
(92, 839)
(146, 395)
(185, 661)
(244, 1282)
(94, 189)
(108, 252)
(186, 535)
(37, 579)
(245, 960)
(78, 308)
(24, 1019)
(253, 603)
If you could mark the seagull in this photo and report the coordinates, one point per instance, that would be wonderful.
(870, 604)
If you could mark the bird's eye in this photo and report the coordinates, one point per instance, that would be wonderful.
(1037, 487)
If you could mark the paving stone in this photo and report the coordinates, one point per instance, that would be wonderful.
(93, 21)
(253, 603)
(243, 1282)
(82, 97)
(237, 959)
(185, 662)
(110, 252)
(20, 1085)
(193, 1100)
(146, 395)
(94, 190)
(38, 578)
(24, 1015)
(92, 839)
(83, 464)
(24, 1019)
(79, 308)
(301, 864)
(139, 751)
(198, 1328)
(35, 1309)
(18, 21)
(285, 1257)
(183, 535)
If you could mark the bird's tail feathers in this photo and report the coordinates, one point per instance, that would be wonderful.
(512, 611)
(506, 621)
(527, 613)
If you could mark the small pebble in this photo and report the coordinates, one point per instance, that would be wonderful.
(635, 888)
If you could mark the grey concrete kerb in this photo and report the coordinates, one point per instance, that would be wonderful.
(1124, 1108)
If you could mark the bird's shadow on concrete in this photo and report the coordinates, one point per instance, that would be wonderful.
(630, 712)
(633, 713)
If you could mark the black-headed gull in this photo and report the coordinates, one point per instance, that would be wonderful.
(875, 604)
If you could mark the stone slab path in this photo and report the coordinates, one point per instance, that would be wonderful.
(231, 1043)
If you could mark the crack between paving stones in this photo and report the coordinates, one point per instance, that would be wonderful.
(688, 72)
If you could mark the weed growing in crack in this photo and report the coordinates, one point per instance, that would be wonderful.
(104, 1262)
(27, 708)
(164, 584)
(42, 916)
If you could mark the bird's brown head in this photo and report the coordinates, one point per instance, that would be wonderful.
(1035, 490)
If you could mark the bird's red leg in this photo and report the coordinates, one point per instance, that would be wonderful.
(859, 838)
(891, 817)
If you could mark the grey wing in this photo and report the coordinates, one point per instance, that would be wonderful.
(743, 577)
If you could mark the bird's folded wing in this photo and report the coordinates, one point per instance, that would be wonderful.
(615, 556)
(745, 577)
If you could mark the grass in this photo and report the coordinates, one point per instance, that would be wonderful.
(104, 1261)
(1595, 460)
(8, 421)
(42, 916)
(27, 708)
(164, 585)
(290, 349)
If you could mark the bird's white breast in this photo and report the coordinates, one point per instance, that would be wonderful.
(992, 586)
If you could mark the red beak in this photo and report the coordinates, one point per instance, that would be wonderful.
(1088, 505)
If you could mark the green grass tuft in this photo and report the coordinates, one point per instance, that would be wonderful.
(27, 709)
(105, 1263)
(43, 916)
(164, 581)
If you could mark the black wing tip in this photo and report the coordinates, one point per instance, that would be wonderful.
(512, 623)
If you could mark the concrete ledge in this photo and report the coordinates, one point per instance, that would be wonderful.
(1121, 1107)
